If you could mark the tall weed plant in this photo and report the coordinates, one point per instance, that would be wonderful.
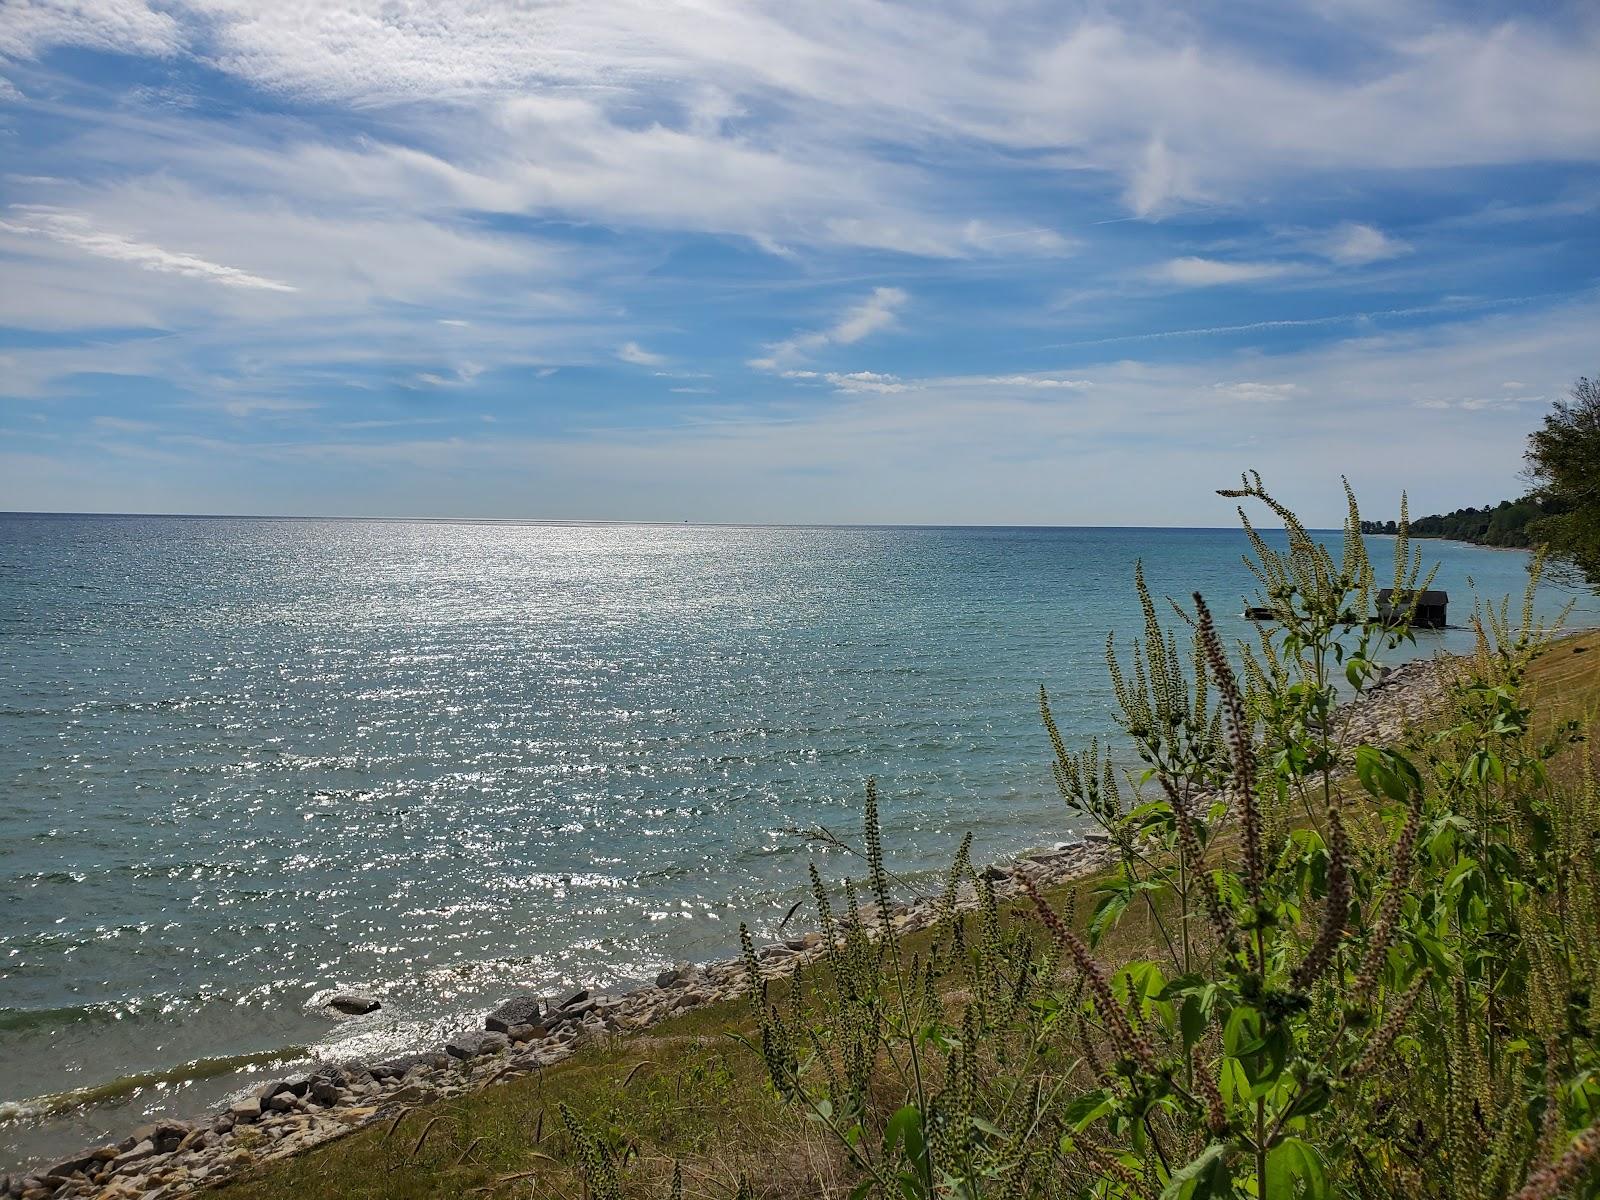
(1322, 967)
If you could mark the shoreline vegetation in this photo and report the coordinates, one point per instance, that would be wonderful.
(1560, 514)
(1504, 526)
(1314, 949)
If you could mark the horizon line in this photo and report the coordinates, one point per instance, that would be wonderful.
(595, 521)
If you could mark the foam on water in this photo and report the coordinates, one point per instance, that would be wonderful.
(247, 761)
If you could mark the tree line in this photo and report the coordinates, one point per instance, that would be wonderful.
(1505, 524)
(1561, 510)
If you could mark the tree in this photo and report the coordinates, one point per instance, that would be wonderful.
(1564, 466)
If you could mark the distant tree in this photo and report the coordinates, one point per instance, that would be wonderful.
(1564, 467)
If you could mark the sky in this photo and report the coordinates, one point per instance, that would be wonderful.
(948, 261)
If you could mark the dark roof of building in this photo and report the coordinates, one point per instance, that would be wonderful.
(1428, 597)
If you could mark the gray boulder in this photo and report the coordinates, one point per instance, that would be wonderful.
(676, 974)
(353, 1004)
(395, 1068)
(476, 1045)
(519, 1010)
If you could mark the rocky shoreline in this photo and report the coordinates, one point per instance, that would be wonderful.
(171, 1158)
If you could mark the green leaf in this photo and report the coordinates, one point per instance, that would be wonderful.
(1191, 1021)
(1088, 1108)
(1107, 912)
(1290, 1162)
(905, 1126)
(1203, 1177)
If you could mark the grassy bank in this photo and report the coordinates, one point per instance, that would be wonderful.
(688, 1091)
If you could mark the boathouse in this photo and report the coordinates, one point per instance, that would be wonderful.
(1430, 610)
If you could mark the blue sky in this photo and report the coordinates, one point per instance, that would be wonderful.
(929, 262)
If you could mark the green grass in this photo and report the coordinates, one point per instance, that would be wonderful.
(686, 1091)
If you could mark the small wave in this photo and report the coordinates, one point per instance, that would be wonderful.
(55, 1103)
(15, 1020)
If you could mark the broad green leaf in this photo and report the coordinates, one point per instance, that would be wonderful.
(1293, 1162)
(1203, 1177)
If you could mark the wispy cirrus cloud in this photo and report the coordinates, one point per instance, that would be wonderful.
(1193, 271)
(1177, 109)
(1354, 243)
(880, 310)
(1256, 392)
(384, 212)
(75, 230)
(1037, 381)
(637, 355)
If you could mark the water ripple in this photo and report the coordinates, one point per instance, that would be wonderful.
(249, 761)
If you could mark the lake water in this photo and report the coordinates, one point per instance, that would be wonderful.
(246, 761)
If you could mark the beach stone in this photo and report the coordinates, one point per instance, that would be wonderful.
(245, 1112)
(283, 1101)
(677, 973)
(476, 1045)
(353, 1004)
(519, 1010)
(74, 1166)
(325, 1091)
(570, 1013)
(141, 1151)
(576, 998)
(525, 1033)
(396, 1068)
(164, 1135)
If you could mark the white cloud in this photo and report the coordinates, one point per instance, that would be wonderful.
(872, 381)
(248, 265)
(937, 452)
(647, 112)
(1479, 403)
(1354, 244)
(460, 376)
(877, 312)
(74, 229)
(1036, 381)
(1210, 272)
(632, 352)
(867, 381)
(28, 27)
(124, 425)
(1256, 392)
(1158, 180)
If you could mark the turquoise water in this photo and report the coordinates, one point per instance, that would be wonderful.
(246, 761)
